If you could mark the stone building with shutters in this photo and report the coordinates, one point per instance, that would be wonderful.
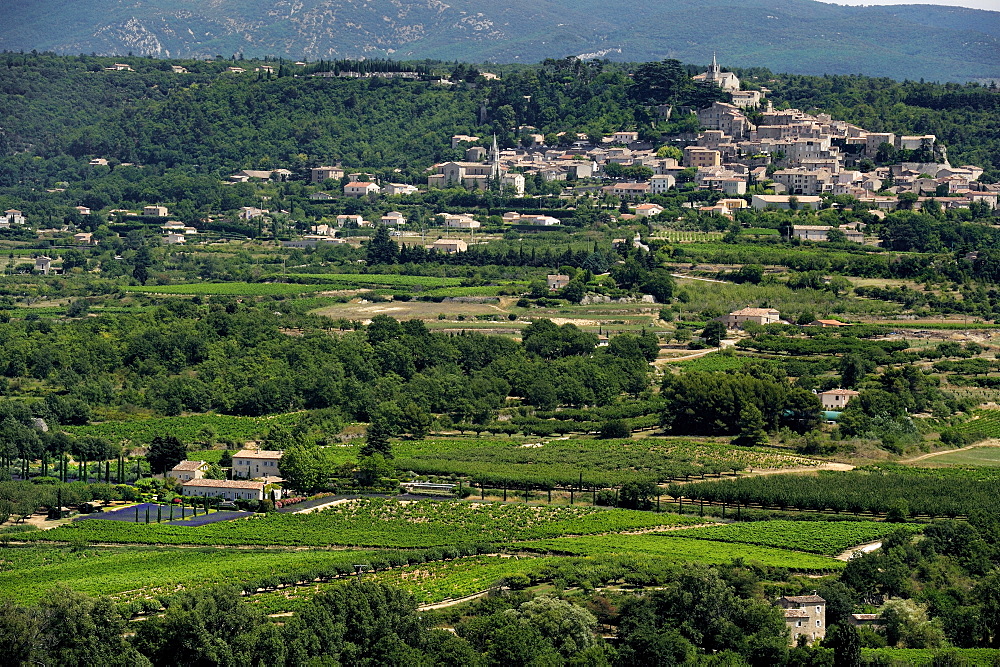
(805, 615)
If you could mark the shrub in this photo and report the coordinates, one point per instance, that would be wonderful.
(44, 480)
(615, 428)
(606, 498)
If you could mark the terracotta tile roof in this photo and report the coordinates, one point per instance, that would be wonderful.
(756, 312)
(224, 484)
(804, 599)
(261, 454)
(185, 466)
(840, 392)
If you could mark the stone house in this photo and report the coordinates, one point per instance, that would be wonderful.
(250, 463)
(737, 318)
(556, 281)
(185, 471)
(805, 615)
(228, 489)
(449, 245)
(320, 174)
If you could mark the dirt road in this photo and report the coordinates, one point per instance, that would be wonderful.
(984, 443)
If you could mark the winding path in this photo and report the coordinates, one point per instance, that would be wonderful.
(453, 601)
(860, 549)
(985, 443)
(693, 355)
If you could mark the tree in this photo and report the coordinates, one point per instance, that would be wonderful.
(885, 153)
(306, 468)
(906, 624)
(637, 495)
(846, 645)
(614, 429)
(214, 626)
(416, 421)
(714, 332)
(659, 83)
(140, 264)
(165, 451)
(907, 200)
(542, 394)
(670, 152)
(575, 290)
(382, 249)
(839, 285)
(751, 425)
(20, 634)
(80, 630)
(215, 471)
(836, 235)
(372, 469)
(377, 441)
(853, 370)
(569, 628)
(660, 284)
(750, 273)
(361, 623)
(74, 258)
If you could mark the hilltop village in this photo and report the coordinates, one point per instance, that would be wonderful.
(747, 155)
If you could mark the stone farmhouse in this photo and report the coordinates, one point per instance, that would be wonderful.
(228, 489)
(805, 615)
(185, 471)
(254, 463)
(738, 318)
(557, 281)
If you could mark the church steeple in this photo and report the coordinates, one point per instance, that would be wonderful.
(715, 63)
(495, 159)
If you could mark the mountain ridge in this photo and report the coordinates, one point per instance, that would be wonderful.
(797, 36)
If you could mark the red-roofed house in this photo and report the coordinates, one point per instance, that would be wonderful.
(229, 489)
(836, 399)
(361, 189)
(185, 471)
(736, 319)
(648, 210)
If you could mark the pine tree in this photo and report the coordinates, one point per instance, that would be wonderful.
(382, 249)
(751, 425)
(377, 442)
